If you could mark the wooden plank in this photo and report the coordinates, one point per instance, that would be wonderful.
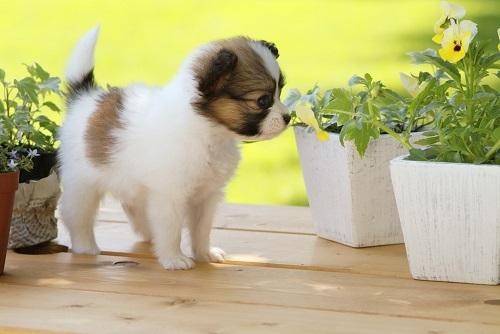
(269, 249)
(275, 218)
(261, 287)
(18, 330)
(100, 312)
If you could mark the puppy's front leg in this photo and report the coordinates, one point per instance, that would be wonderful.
(166, 217)
(200, 226)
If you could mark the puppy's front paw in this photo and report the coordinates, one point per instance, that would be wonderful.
(214, 254)
(179, 262)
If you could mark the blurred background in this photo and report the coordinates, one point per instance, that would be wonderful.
(323, 42)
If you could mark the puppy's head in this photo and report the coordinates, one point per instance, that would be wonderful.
(239, 83)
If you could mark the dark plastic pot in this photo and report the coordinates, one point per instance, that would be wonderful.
(8, 186)
(42, 166)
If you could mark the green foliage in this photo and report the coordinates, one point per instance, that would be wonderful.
(25, 130)
(466, 111)
(460, 110)
(362, 112)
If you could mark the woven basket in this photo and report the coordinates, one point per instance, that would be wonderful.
(33, 218)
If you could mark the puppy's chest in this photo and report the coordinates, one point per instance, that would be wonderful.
(219, 165)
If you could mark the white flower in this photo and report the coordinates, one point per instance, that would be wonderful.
(451, 14)
(411, 84)
(32, 153)
(13, 154)
(12, 164)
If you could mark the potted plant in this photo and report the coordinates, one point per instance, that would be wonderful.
(448, 192)
(351, 198)
(452, 228)
(11, 160)
(26, 113)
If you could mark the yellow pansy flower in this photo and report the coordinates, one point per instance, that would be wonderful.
(411, 84)
(305, 113)
(456, 40)
(451, 14)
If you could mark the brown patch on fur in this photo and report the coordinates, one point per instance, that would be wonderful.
(229, 91)
(99, 134)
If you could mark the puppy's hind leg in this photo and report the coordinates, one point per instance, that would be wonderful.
(136, 214)
(79, 204)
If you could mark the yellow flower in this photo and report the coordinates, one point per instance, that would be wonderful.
(411, 84)
(456, 40)
(450, 12)
(305, 113)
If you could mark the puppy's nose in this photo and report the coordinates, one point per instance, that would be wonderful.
(286, 118)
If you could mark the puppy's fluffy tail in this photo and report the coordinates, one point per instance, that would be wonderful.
(80, 68)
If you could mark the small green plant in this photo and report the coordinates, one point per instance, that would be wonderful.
(461, 110)
(362, 112)
(25, 129)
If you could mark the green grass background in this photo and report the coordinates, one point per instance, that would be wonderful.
(321, 42)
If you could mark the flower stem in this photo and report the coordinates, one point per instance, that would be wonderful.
(493, 150)
(403, 140)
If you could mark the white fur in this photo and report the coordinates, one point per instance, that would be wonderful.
(82, 59)
(169, 166)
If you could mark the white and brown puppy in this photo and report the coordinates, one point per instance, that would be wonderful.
(166, 153)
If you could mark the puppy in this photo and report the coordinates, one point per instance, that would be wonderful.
(166, 153)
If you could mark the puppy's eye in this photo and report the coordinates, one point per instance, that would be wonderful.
(265, 102)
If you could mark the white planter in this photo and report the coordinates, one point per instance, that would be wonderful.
(351, 199)
(450, 215)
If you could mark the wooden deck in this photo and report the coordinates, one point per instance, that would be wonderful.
(278, 278)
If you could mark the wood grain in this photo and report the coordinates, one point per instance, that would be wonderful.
(280, 250)
(298, 289)
(275, 281)
(100, 312)
(251, 217)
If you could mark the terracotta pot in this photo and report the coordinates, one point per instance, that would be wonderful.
(8, 186)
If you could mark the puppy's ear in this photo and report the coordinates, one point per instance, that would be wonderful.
(271, 46)
(219, 70)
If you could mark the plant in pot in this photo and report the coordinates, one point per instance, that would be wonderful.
(448, 191)
(25, 110)
(351, 198)
(11, 161)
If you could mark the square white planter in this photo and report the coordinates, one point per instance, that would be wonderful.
(351, 199)
(450, 215)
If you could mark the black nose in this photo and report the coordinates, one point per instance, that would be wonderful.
(286, 118)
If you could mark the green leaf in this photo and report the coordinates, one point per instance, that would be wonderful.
(40, 139)
(27, 89)
(341, 102)
(292, 98)
(2, 75)
(419, 57)
(52, 106)
(327, 96)
(50, 85)
(496, 134)
(368, 78)
(37, 71)
(357, 80)
(417, 155)
(427, 141)
(449, 68)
